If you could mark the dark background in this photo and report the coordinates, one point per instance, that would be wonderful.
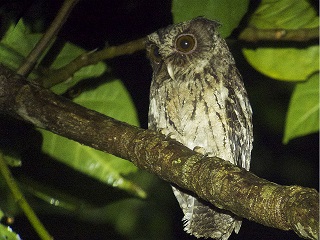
(97, 23)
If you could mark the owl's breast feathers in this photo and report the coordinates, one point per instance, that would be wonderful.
(198, 113)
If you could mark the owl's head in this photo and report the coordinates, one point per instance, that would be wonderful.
(184, 45)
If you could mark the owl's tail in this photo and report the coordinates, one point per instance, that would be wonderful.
(202, 219)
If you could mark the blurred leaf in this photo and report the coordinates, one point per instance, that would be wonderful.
(288, 63)
(227, 12)
(303, 114)
(51, 196)
(111, 99)
(7, 233)
(132, 217)
(1, 214)
(13, 51)
(12, 161)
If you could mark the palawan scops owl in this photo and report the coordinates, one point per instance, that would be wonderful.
(197, 95)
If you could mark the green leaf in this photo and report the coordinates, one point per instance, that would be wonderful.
(13, 52)
(227, 12)
(303, 114)
(12, 49)
(284, 63)
(68, 53)
(7, 233)
(113, 100)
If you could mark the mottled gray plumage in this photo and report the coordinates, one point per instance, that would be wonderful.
(197, 95)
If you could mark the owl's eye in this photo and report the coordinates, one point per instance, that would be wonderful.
(186, 43)
(155, 55)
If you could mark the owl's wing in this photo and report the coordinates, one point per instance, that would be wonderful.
(203, 219)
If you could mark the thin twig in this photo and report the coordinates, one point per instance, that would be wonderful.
(33, 57)
(20, 199)
(53, 77)
(252, 34)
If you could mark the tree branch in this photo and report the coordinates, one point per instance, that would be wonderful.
(252, 34)
(53, 77)
(213, 179)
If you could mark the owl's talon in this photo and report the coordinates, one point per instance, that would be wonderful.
(168, 134)
(200, 150)
(164, 131)
(209, 154)
(172, 136)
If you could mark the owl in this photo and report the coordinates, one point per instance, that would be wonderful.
(197, 96)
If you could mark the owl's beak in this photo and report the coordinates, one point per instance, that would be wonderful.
(170, 71)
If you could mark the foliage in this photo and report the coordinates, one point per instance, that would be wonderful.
(7, 233)
(289, 63)
(303, 113)
(286, 63)
(13, 51)
(107, 99)
(227, 12)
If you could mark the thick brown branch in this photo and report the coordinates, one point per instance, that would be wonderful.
(252, 34)
(213, 179)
